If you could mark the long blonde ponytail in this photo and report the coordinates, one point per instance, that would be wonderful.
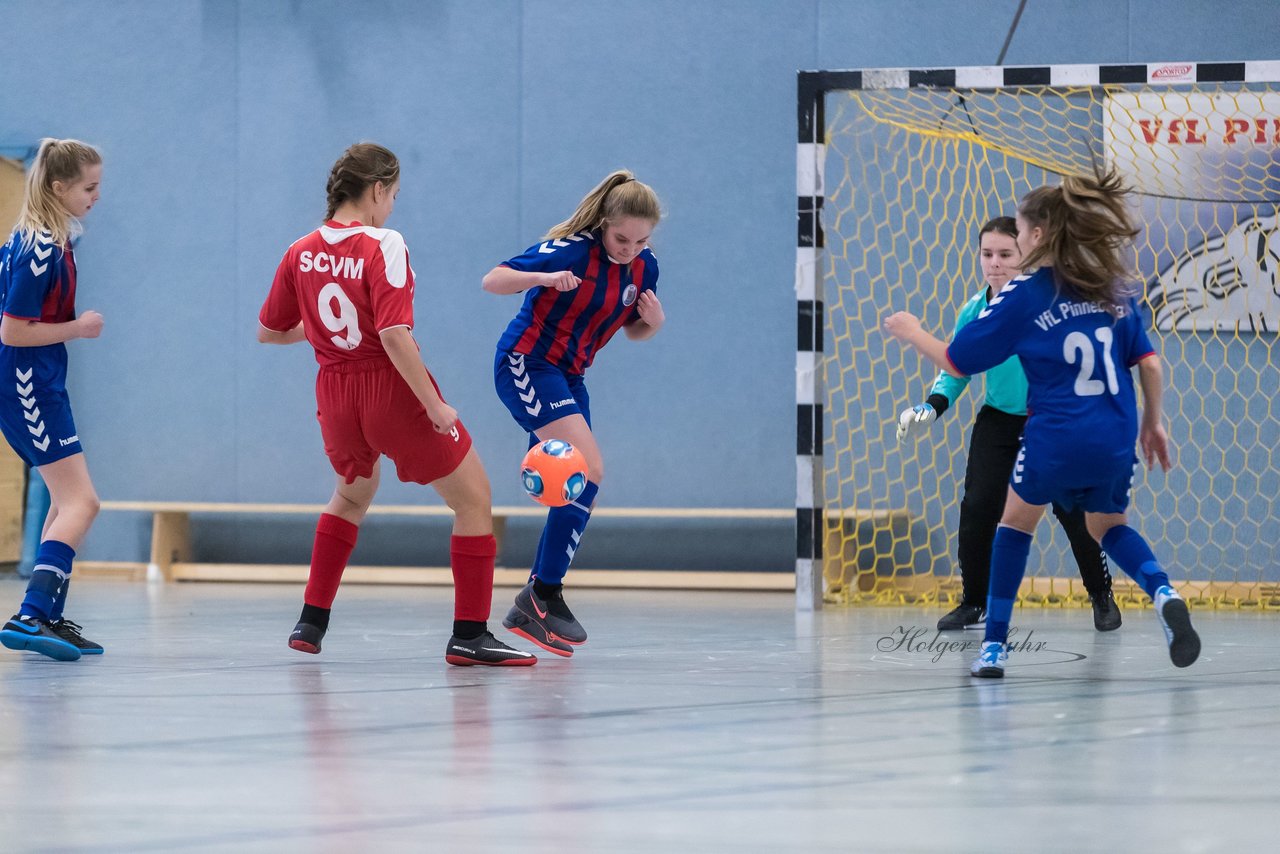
(56, 160)
(617, 197)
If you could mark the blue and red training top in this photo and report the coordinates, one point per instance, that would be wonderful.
(567, 328)
(38, 282)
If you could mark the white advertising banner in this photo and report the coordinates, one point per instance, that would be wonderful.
(1207, 170)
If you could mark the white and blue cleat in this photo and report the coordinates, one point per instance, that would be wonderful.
(990, 661)
(1175, 619)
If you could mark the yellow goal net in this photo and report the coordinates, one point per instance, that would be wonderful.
(902, 168)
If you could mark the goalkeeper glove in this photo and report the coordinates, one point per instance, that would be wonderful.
(915, 420)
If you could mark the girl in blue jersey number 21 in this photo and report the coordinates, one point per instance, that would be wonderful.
(1075, 324)
(38, 295)
(591, 275)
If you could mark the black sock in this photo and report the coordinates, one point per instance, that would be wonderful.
(318, 617)
(469, 629)
(544, 590)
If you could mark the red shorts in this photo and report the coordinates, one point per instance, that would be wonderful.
(366, 409)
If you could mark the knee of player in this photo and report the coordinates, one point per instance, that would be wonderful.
(1098, 524)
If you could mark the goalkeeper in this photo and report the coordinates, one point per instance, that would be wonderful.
(993, 448)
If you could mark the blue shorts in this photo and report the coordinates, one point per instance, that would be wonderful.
(37, 423)
(537, 392)
(1071, 483)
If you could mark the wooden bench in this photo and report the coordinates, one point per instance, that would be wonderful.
(170, 558)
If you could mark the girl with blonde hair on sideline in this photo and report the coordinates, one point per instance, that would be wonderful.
(38, 296)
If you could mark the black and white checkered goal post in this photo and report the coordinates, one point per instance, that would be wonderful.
(920, 157)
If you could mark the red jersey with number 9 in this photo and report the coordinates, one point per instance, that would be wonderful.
(345, 284)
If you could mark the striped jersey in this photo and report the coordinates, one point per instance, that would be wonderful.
(38, 282)
(568, 328)
(345, 284)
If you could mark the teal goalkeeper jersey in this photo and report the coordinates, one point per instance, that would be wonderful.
(1006, 383)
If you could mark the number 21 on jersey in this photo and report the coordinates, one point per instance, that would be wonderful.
(345, 320)
(1077, 347)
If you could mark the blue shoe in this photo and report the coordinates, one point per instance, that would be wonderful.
(23, 632)
(1175, 619)
(990, 661)
(70, 632)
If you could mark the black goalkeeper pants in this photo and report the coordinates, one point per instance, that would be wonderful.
(993, 449)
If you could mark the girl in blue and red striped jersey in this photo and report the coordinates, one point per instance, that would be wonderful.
(591, 275)
(38, 296)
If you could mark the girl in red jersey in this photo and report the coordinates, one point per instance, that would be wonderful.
(347, 288)
(592, 275)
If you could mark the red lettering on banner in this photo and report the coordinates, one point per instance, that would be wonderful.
(1233, 128)
(1177, 125)
(1187, 131)
(1166, 72)
(1261, 136)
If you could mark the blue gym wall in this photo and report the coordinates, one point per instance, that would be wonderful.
(219, 121)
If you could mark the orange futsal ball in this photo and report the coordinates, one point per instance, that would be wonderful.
(553, 473)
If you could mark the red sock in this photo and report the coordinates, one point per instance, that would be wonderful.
(472, 562)
(335, 539)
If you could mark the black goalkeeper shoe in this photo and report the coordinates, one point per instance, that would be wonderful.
(963, 617)
(70, 632)
(1106, 614)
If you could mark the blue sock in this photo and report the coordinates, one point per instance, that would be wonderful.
(1132, 554)
(561, 535)
(1009, 553)
(60, 602)
(52, 571)
(537, 557)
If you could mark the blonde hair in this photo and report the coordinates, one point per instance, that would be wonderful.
(360, 166)
(1087, 235)
(56, 160)
(618, 196)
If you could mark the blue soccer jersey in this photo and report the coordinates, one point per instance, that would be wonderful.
(37, 283)
(568, 328)
(1077, 357)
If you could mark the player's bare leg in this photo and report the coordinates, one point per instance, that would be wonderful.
(472, 551)
(574, 430)
(73, 502)
(466, 491)
(350, 501)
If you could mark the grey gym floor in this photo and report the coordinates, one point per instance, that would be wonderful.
(691, 722)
